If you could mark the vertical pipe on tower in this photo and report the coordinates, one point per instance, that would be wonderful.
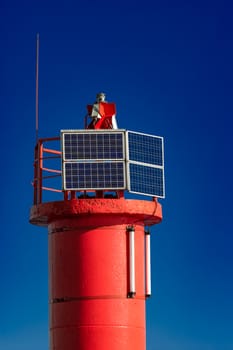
(131, 237)
(148, 263)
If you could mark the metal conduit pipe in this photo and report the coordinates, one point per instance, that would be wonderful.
(148, 264)
(131, 238)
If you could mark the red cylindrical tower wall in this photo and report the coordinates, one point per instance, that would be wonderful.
(90, 307)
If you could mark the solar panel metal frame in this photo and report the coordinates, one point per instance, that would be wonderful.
(95, 160)
(129, 161)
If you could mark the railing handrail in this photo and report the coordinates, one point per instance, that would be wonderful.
(39, 177)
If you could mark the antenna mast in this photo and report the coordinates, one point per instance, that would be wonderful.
(37, 86)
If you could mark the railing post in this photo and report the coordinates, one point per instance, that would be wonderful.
(39, 171)
(35, 181)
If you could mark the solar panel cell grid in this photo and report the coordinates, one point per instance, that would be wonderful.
(101, 175)
(96, 160)
(146, 180)
(145, 148)
(84, 146)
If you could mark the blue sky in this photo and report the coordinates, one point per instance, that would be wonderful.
(168, 67)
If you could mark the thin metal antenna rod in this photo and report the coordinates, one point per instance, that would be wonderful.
(37, 86)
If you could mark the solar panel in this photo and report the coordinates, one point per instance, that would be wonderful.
(145, 158)
(93, 159)
(146, 180)
(94, 176)
(91, 145)
(145, 148)
(98, 160)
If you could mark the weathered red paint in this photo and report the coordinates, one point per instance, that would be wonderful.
(89, 277)
(148, 212)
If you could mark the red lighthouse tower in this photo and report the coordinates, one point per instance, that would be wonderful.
(99, 247)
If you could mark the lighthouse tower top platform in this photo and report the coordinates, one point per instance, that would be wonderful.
(99, 161)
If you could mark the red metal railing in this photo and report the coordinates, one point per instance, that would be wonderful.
(41, 154)
(42, 174)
